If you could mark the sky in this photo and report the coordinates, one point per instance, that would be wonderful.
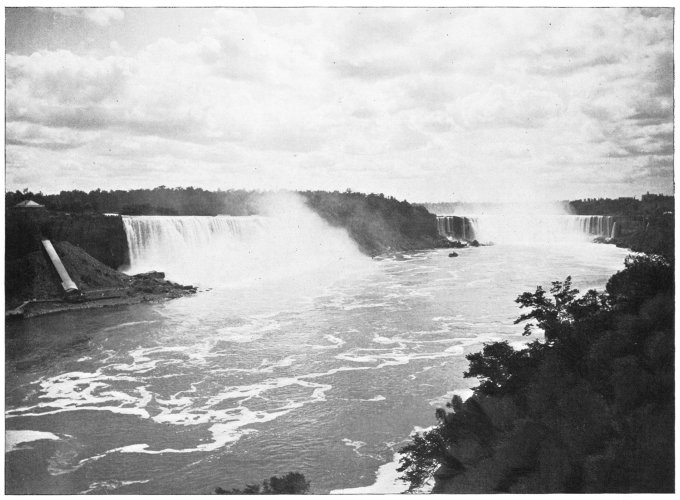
(438, 104)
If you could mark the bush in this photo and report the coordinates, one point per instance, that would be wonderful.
(292, 483)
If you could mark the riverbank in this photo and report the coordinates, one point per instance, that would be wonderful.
(32, 289)
(589, 409)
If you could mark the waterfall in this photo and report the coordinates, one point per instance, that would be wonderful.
(214, 251)
(168, 243)
(459, 228)
(528, 228)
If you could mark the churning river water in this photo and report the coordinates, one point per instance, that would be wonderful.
(324, 375)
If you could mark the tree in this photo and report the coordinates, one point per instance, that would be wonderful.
(293, 483)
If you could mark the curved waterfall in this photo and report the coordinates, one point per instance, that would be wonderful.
(527, 228)
(223, 250)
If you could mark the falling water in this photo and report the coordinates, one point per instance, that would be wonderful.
(525, 228)
(226, 250)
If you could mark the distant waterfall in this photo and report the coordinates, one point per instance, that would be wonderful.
(223, 250)
(459, 228)
(595, 225)
(526, 228)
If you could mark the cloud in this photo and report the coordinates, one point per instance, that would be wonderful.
(501, 106)
(64, 77)
(102, 16)
(417, 103)
(24, 134)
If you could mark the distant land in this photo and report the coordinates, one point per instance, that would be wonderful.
(163, 200)
(377, 223)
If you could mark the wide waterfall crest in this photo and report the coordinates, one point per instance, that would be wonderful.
(288, 240)
(526, 228)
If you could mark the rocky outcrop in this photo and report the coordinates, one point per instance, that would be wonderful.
(32, 289)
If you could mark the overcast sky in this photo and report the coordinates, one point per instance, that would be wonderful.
(422, 104)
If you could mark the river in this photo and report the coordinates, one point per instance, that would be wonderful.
(324, 376)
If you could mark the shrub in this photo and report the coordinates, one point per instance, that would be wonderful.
(292, 483)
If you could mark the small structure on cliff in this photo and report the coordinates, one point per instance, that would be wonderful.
(29, 205)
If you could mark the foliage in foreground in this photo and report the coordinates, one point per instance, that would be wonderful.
(588, 409)
(292, 483)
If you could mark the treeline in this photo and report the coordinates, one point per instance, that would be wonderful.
(376, 222)
(588, 409)
(158, 201)
(656, 235)
(648, 205)
(293, 483)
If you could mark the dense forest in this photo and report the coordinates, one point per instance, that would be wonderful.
(656, 235)
(157, 201)
(647, 205)
(292, 483)
(590, 408)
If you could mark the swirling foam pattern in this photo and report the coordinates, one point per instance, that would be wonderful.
(234, 385)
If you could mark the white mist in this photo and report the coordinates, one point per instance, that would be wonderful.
(287, 240)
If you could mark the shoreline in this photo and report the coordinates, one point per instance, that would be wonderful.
(32, 288)
(43, 307)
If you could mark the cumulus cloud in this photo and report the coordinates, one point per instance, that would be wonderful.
(418, 103)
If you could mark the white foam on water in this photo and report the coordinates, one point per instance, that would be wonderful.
(231, 421)
(357, 358)
(352, 307)
(398, 355)
(455, 349)
(266, 366)
(14, 438)
(355, 445)
(110, 485)
(336, 342)
(248, 332)
(385, 340)
(379, 397)
(446, 398)
(448, 318)
(94, 391)
(386, 481)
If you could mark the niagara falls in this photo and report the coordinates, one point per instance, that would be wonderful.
(339, 250)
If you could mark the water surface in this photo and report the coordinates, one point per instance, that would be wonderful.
(322, 374)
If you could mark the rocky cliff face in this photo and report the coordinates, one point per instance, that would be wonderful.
(103, 237)
(376, 223)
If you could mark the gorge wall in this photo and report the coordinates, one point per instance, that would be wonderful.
(101, 236)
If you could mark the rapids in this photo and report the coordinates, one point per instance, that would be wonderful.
(322, 364)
